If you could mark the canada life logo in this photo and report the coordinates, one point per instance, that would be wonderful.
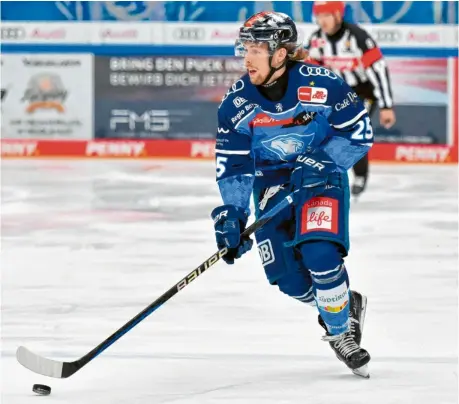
(317, 95)
(320, 214)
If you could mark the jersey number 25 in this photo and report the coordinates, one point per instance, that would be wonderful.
(364, 130)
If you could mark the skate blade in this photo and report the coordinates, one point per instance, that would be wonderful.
(362, 371)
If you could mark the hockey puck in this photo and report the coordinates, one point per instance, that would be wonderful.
(41, 389)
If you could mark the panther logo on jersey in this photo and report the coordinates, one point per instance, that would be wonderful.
(287, 145)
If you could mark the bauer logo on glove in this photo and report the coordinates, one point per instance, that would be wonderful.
(229, 223)
(313, 163)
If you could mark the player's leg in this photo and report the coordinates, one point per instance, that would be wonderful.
(361, 169)
(358, 307)
(295, 280)
(323, 240)
(282, 264)
(330, 282)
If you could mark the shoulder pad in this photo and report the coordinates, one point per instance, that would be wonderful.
(316, 84)
(235, 103)
(308, 74)
(354, 28)
(235, 92)
(309, 71)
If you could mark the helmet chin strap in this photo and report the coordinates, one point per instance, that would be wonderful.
(273, 69)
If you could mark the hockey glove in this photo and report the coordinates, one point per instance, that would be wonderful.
(310, 175)
(229, 223)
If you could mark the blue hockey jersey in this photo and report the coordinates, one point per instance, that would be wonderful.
(258, 140)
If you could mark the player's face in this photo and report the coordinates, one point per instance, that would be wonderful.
(329, 23)
(256, 60)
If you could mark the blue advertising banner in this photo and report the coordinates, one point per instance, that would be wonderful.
(160, 97)
(399, 12)
(129, 119)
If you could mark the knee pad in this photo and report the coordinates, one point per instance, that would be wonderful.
(324, 262)
(320, 255)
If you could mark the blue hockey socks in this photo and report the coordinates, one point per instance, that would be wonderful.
(330, 283)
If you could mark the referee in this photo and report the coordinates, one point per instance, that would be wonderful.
(349, 51)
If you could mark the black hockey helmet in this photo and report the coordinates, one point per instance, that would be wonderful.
(276, 29)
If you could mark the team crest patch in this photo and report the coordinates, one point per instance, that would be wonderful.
(287, 145)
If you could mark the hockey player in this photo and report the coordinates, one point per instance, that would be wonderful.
(288, 126)
(350, 52)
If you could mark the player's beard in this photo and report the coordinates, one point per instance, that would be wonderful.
(257, 78)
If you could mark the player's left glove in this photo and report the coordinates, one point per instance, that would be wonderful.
(229, 223)
(310, 175)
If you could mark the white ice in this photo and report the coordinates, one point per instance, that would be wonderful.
(87, 245)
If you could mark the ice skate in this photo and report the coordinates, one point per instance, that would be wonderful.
(357, 313)
(359, 186)
(347, 345)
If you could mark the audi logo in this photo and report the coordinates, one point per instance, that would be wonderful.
(189, 34)
(13, 33)
(382, 35)
(317, 71)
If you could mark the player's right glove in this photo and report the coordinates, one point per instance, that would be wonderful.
(310, 175)
(229, 223)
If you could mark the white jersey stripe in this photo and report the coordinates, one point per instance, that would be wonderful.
(352, 121)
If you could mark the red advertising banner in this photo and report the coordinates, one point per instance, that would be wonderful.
(96, 149)
(107, 148)
(408, 153)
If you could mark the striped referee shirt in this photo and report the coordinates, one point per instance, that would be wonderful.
(353, 54)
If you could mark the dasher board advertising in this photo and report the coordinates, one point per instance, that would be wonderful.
(47, 96)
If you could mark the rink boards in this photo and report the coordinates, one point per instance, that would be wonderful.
(197, 150)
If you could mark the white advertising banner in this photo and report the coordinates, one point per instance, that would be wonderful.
(204, 33)
(386, 35)
(123, 33)
(47, 96)
(46, 32)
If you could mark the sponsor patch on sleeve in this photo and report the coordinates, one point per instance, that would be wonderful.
(316, 95)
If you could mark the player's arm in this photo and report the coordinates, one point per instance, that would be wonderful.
(350, 135)
(235, 174)
(235, 164)
(376, 68)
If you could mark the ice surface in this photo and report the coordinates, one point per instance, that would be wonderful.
(87, 245)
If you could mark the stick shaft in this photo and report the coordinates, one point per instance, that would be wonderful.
(48, 367)
(181, 285)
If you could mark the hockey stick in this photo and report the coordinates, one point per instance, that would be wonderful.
(61, 370)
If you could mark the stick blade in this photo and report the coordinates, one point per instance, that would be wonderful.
(38, 364)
